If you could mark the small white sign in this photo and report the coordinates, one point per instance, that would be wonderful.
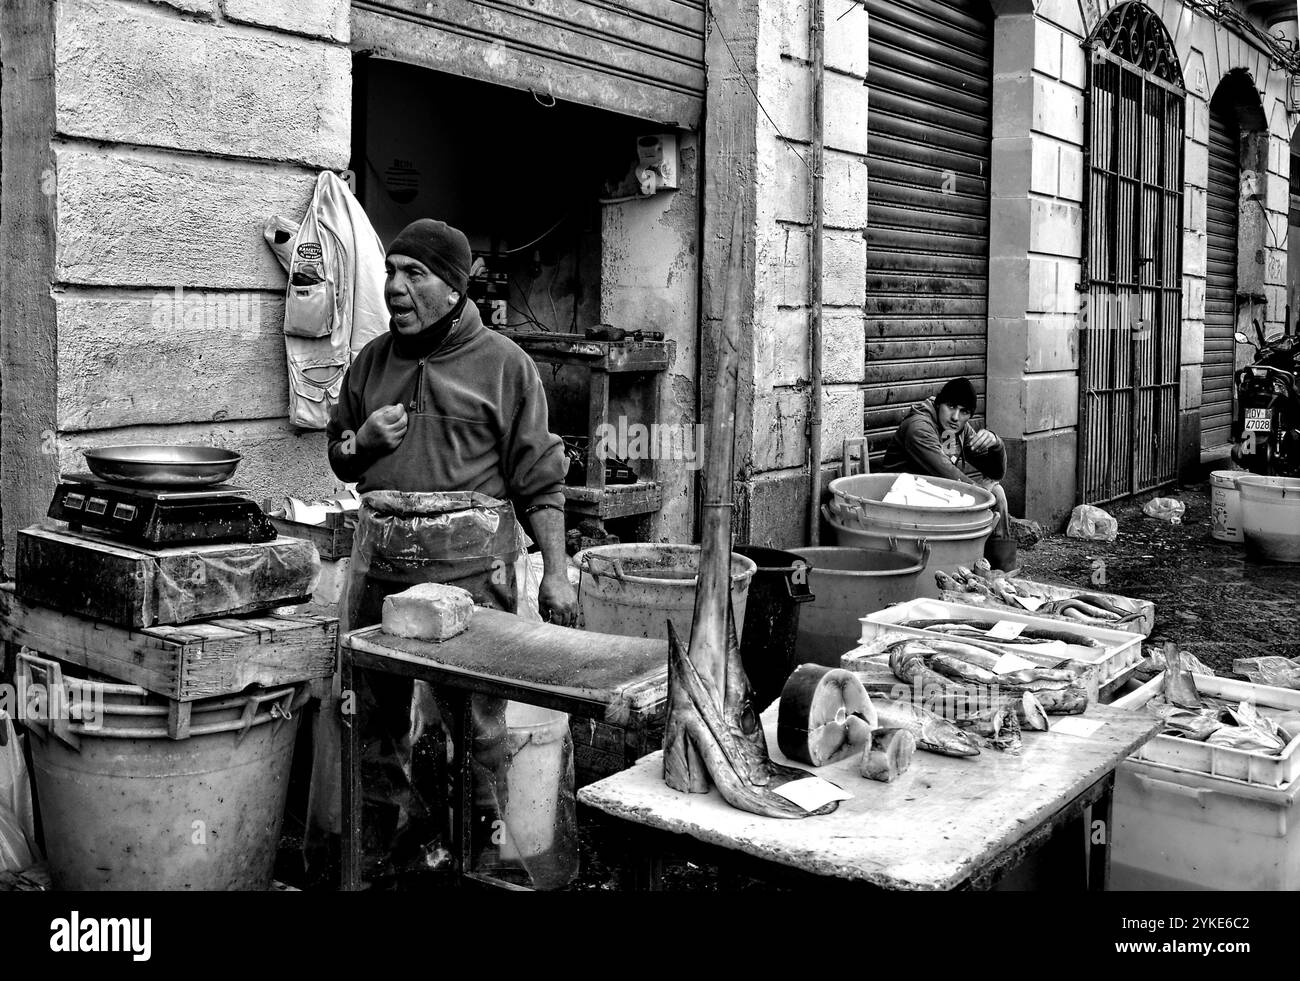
(1012, 662)
(1074, 725)
(1006, 630)
(1030, 603)
(811, 793)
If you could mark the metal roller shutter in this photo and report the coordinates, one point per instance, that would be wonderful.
(929, 130)
(1220, 275)
(642, 58)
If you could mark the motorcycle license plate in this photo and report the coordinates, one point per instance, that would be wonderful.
(1258, 421)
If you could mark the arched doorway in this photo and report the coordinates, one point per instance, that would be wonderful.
(929, 140)
(1237, 144)
(1132, 263)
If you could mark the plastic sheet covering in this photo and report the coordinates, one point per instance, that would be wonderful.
(459, 539)
(17, 826)
(524, 827)
(191, 585)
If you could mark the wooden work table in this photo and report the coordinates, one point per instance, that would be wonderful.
(948, 823)
(586, 674)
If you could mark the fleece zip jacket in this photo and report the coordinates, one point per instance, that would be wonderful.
(918, 447)
(476, 419)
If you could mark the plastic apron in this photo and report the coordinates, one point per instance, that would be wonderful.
(459, 538)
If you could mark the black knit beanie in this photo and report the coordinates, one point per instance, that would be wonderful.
(445, 250)
(959, 392)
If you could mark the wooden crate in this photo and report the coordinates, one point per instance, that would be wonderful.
(603, 748)
(333, 539)
(200, 660)
(96, 577)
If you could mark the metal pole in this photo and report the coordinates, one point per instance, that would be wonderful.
(817, 41)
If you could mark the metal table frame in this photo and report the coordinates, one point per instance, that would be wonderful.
(459, 686)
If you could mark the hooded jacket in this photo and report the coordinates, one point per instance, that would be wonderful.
(476, 419)
(917, 447)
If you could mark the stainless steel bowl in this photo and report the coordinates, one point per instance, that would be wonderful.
(163, 466)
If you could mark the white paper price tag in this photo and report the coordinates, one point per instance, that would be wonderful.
(1030, 603)
(1006, 630)
(811, 793)
(1012, 662)
(1074, 725)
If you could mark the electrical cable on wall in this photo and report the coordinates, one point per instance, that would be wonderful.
(759, 102)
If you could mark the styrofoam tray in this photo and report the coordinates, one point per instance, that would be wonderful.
(1248, 766)
(1117, 652)
(1143, 626)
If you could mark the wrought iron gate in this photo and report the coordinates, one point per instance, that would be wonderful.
(1132, 266)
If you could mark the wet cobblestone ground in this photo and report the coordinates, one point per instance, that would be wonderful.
(1212, 598)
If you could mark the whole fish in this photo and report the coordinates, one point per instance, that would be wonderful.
(1245, 738)
(962, 670)
(1029, 635)
(1027, 676)
(1190, 725)
(934, 734)
(967, 652)
(907, 661)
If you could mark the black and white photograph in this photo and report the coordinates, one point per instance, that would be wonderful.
(791, 458)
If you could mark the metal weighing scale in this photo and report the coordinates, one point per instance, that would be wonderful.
(156, 517)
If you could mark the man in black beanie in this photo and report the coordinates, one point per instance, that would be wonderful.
(441, 403)
(936, 439)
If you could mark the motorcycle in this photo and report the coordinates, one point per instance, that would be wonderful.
(1266, 432)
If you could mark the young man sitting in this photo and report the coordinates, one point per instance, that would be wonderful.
(936, 439)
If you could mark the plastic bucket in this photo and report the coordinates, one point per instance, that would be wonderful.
(869, 519)
(540, 814)
(1270, 516)
(1225, 506)
(866, 491)
(633, 590)
(849, 583)
(778, 589)
(127, 807)
(947, 551)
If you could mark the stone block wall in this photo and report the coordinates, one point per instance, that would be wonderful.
(167, 133)
(773, 419)
(1037, 224)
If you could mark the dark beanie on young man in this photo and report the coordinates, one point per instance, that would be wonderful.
(959, 392)
(445, 250)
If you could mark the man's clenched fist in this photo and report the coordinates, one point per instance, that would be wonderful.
(982, 440)
(384, 429)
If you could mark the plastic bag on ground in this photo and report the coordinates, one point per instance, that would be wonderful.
(1278, 672)
(1091, 522)
(1165, 508)
(17, 824)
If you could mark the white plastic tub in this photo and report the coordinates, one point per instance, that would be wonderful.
(1188, 815)
(1243, 765)
(1118, 649)
(1270, 515)
(1175, 830)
